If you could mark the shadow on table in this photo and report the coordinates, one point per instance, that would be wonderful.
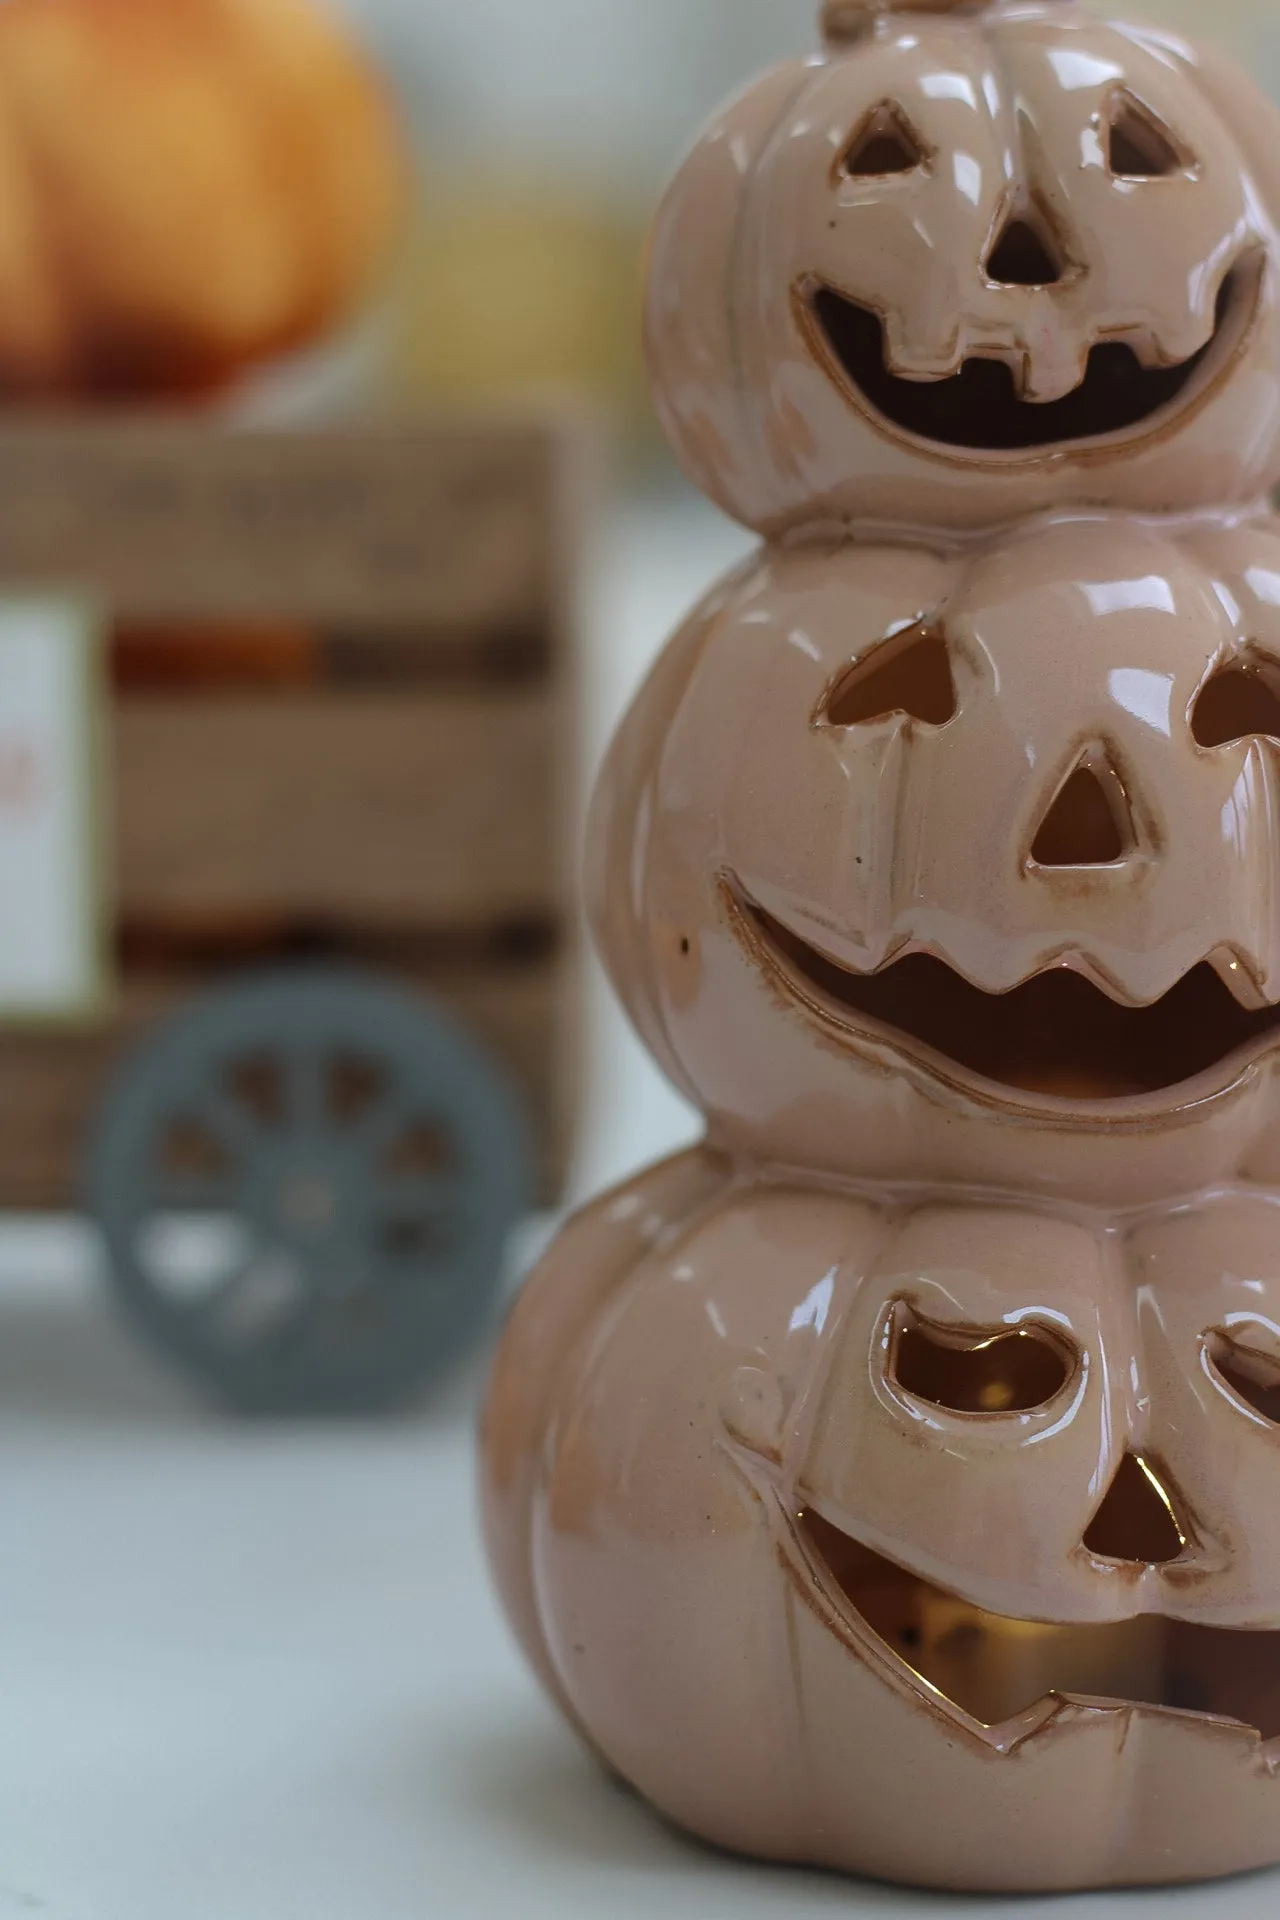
(532, 1777)
(532, 1780)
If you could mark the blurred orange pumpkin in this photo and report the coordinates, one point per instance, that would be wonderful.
(187, 188)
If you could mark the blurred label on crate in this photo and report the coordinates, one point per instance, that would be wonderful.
(50, 918)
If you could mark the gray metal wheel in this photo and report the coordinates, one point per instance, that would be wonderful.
(306, 1182)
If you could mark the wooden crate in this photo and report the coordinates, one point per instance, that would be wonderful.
(340, 727)
(376, 527)
(432, 810)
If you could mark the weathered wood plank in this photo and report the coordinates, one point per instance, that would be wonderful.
(382, 807)
(369, 525)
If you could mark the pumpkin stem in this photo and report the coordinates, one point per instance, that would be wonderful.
(845, 21)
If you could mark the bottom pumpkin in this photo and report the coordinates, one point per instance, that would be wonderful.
(934, 1540)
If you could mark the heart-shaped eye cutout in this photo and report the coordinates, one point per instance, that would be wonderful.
(970, 1370)
(909, 674)
(1251, 1374)
(885, 144)
(1140, 146)
(1239, 701)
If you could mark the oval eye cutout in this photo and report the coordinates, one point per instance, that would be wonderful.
(909, 674)
(1140, 146)
(885, 143)
(1240, 699)
(975, 1371)
(1249, 1372)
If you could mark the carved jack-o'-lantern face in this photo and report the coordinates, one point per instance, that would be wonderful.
(966, 268)
(929, 1538)
(907, 859)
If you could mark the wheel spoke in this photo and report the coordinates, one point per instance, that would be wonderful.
(260, 1302)
(193, 1192)
(230, 1121)
(327, 1310)
(423, 1196)
(305, 1087)
(375, 1133)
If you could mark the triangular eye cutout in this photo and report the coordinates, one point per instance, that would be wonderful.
(884, 144)
(1089, 823)
(1239, 700)
(1140, 146)
(909, 674)
(1137, 1522)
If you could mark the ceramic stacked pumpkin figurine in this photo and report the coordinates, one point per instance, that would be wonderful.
(893, 1482)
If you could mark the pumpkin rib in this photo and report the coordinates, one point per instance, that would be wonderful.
(596, 1253)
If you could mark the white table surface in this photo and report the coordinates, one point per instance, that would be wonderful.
(255, 1673)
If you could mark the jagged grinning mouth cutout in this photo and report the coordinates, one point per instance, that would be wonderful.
(1056, 1035)
(995, 1668)
(979, 408)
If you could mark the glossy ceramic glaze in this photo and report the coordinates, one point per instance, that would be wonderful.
(711, 1354)
(888, 1484)
(752, 862)
(706, 1359)
(1004, 115)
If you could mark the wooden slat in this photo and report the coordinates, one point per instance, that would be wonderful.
(52, 1084)
(378, 807)
(368, 526)
(208, 661)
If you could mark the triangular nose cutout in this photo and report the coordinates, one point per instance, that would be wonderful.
(1089, 822)
(1137, 1522)
(1023, 257)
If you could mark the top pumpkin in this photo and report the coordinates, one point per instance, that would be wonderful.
(975, 264)
(187, 188)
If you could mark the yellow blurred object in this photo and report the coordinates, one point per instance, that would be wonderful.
(508, 294)
(187, 188)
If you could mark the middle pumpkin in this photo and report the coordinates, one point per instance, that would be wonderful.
(905, 859)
